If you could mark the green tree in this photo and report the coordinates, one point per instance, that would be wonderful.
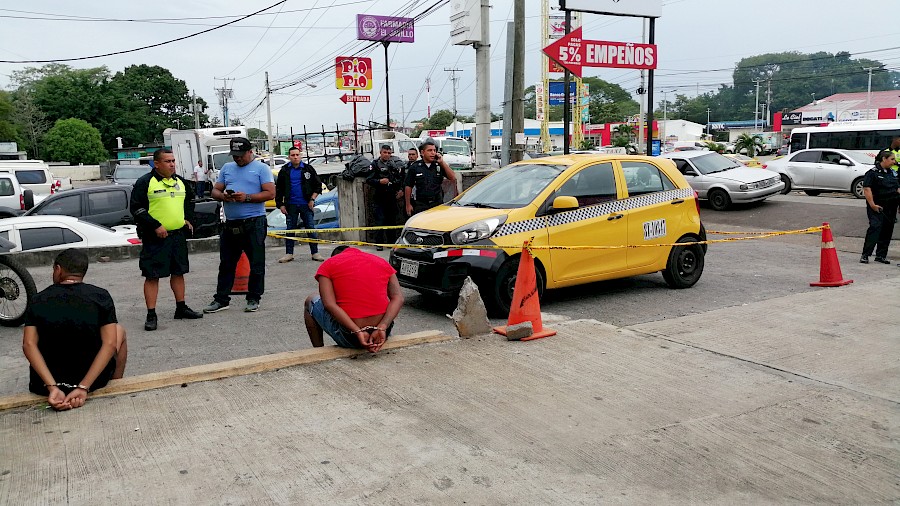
(440, 120)
(8, 131)
(75, 141)
(256, 133)
(752, 143)
(624, 130)
(30, 120)
(608, 102)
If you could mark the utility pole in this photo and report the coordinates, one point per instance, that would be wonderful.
(402, 115)
(518, 82)
(756, 111)
(641, 91)
(483, 90)
(224, 93)
(507, 143)
(707, 122)
(768, 101)
(269, 122)
(196, 112)
(869, 92)
(454, 79)
(428, 94)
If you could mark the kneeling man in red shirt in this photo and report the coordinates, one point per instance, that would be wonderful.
(359, 298)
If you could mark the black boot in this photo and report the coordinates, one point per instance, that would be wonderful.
(150, 324)
(183, 312)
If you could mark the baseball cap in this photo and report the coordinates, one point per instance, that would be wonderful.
(239, 146)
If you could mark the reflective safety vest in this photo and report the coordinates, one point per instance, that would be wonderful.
(896, 158)
(166, 197)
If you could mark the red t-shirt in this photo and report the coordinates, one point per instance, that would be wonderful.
(360, 282)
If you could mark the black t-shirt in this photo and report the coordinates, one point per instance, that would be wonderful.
(68, 318)
(883, 183)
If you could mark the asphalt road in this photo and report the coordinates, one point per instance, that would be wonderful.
(736, 273)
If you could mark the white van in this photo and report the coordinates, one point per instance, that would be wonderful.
(455, 150)
(399, 142)
(33, 175)
(13, 198)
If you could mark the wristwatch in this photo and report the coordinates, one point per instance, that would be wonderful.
(247, 198)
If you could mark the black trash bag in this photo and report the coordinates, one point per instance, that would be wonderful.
(358, 166)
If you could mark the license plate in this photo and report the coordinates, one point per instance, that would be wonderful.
(409, 269)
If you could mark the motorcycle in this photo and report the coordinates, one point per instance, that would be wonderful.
(17, 288)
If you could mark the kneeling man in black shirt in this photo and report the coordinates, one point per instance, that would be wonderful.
(72, 338)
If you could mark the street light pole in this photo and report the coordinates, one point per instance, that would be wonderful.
(269, 122)
(756, 111)
(869, 92)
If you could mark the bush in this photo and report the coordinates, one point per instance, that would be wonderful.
(75, 141)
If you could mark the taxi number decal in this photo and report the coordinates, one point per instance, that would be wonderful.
(654, 229)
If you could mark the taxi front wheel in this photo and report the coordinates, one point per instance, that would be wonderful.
(685, 264)
(499, 294)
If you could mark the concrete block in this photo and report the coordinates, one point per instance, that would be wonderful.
(470, 315)
(519, 331)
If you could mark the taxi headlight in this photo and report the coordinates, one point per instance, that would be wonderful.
(477, 231)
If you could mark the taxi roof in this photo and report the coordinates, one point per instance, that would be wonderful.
(572, 159)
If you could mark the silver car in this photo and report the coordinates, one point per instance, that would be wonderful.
(818, 170)
(723, 181)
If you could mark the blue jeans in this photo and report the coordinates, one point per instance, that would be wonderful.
(242, 236)
(200, 189)
(297, 214)
(341, 337)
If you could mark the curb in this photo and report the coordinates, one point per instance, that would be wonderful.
(231, 368)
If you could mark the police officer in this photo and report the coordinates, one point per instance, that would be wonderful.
(386, 176)
(895, 149)
(882, 191)
(426, 176)
(162, 204)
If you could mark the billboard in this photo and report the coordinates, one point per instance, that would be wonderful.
(385, 28)
(638, 8)
(353, 73)
(556, 92)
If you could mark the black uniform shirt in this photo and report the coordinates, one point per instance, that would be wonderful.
(883, 183)
(426, 179)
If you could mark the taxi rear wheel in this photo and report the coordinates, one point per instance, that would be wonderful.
(685, 264)
(500, 292)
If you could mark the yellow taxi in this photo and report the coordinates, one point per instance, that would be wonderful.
(611, 201)
(744, 160)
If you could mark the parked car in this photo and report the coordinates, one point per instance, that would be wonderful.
(33, 175)
(745, 160)
(326, 213)
(14, 200)
(723, 181)
(38, 233)
(128, 174)
(609, 201)
(818, 170)
(109, 206)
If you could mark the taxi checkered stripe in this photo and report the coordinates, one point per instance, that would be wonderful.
(589, 212)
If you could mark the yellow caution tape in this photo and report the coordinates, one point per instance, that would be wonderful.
(759, 235)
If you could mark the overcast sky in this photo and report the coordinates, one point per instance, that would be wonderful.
(699, 41)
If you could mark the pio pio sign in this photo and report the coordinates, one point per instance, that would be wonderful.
(353, 73)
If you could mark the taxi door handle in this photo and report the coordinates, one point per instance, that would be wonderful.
(678, 201)
(614, 217)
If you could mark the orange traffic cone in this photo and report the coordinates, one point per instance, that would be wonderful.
(829, 267)
(525, 306)
(241, 276)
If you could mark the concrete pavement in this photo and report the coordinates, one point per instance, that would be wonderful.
(791, 399)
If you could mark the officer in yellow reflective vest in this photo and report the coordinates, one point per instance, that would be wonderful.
(895, 148)
(162, 204)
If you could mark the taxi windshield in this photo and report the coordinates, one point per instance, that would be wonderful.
(511, 187)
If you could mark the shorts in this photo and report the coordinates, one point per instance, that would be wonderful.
(35, 386)
(341, 336)
(164, 258)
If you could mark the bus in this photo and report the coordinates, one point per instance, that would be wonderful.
(867, 137)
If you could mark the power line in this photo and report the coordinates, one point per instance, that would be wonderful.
(146, 47)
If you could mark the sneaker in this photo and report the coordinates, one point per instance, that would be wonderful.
(151, 322)
(214, 307)
(379, 248)
(318, 257)
(882, 260)
(187, 313)
(285, 259)
(252, 306)
(863, 259)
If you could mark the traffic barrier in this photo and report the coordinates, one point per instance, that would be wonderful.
(829, 266)
(525, 305)
(241, 276)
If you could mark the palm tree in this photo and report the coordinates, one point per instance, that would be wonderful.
(625, 129)
(751, 143)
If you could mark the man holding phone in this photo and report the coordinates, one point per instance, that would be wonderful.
(244, 186)
(426, 176)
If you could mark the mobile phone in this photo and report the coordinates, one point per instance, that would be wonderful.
(229, 191)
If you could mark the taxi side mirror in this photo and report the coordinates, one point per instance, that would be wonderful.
(564, 204)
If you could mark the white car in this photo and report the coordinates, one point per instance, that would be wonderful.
(39, 233)
(818, 170)
(723, 181)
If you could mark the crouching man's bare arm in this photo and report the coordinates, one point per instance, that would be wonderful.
(396, 300)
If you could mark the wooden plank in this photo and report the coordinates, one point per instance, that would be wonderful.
(243, 366)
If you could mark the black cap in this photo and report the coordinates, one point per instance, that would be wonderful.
(239, 146)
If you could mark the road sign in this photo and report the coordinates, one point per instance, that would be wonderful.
(353, 73)
(385, 28)
(573, 53)
(355, 98)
